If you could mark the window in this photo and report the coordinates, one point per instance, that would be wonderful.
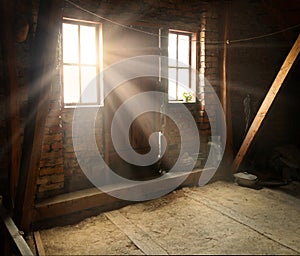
(182, 61)
(82, 62)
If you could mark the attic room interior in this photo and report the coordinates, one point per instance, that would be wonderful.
(149, 127)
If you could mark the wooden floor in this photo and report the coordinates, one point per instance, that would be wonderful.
(219, 218)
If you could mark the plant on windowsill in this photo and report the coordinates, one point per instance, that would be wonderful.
(187, 96)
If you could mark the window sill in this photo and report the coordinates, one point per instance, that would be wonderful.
(82, 106)
(180, 101)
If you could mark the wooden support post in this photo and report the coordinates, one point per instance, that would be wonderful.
(12, 89)
(264, 108)
(43, 60)
(225, 91)
(223, 97)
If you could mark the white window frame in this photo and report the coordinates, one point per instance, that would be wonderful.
(98, 65)
(192, 67)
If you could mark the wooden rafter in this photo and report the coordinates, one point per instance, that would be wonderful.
(43, 60)
(12, 88)
(14, 243)
(264, 108)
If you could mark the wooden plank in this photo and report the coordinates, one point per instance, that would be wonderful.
(264, 108)
(73, 202)
(94, 198)
(43, 60)
(12, 92)
(39, 244)
(15, 237)
(225, 91)
(224, 62)
(141, 239)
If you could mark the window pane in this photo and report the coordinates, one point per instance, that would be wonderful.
(172, 49)
(70, 43)
(71, 84)
(88, 85)
(172, 84)
(183, 50)
(184, 84)
(181, 90)
(172, 91)
(88, 44)
(172, 74)
(184, 77)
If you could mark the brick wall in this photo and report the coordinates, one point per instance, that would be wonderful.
(59, 169)
(74, 177)
(252, 66)
(51, 177)
(172, 14)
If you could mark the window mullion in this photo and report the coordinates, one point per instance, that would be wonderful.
(79, 64)
(190, 62)
(97, 63)
(177, 38)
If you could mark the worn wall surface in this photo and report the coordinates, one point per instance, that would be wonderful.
(252, 67)
(60, 171)
(27, 11)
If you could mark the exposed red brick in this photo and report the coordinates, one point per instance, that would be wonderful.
(57, 145)
(46, 148)
(43, 188)
(52, 138)
(55, 129)
(51, 170)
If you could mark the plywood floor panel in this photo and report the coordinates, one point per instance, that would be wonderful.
(219, 218)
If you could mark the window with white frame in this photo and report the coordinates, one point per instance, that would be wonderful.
(181, 66)
(82, 62)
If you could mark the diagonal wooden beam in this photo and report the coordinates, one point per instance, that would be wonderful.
(264, 108)
(14, 244)
(43, 60)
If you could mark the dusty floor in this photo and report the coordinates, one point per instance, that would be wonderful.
(220, 218)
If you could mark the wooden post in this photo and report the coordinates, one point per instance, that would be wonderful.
(224, 62)
(12, 93)
(264, 108)
(43, 59)
(225, 91)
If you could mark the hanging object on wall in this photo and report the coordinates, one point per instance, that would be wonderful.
(247, 111)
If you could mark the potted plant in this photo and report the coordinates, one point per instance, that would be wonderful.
(187, 96)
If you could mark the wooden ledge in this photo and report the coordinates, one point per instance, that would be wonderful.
(93, 198)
